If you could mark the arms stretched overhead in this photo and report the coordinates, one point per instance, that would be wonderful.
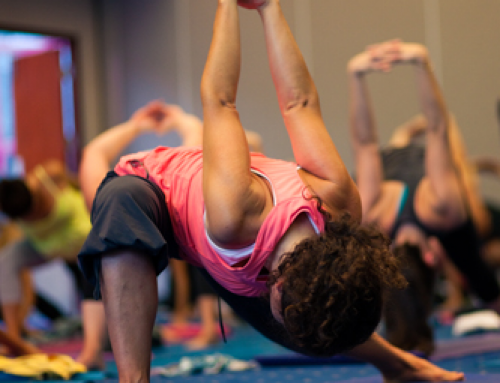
(440, 165)
(155, 117)
(227, 166)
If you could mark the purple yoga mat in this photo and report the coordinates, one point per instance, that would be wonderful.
(71, 347)
(469, 378)
(469, 345)
(445, 349)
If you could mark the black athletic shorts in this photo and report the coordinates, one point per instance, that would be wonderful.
(129, 212)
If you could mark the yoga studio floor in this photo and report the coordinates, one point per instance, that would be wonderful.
(477, 355)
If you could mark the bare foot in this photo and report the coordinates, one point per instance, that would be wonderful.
(92, 361)
(176, 333)
(202, 341)
(182, 316)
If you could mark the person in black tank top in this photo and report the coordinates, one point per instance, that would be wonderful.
(416, 192)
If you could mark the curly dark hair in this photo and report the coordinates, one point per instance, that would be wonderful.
(16, 199)
(333, 286)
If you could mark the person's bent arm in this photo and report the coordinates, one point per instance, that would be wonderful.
(298, 100)
(235, 200)
(469, 177)
(99, 153)
(369, 174)
(431, 98)
(254, 141)
(188, 126)
(439, 162)
(58, 172)
(17, 346)
(487, 165)
(190, 129)
(398, 365)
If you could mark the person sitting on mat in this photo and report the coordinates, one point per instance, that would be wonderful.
(280, 241)
(55, 222)
(414, 193)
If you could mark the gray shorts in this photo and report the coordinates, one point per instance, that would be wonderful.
(21, 255)
(14, 258)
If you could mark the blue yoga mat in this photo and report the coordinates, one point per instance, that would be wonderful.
(301, 360)
(90, 376)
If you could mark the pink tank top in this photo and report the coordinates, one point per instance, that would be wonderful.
(178, 172)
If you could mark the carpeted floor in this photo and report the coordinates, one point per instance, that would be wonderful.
(478, 356)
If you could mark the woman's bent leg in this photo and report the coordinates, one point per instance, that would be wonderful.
(130, 296)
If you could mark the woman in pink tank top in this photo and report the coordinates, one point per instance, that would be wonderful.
(257, 226)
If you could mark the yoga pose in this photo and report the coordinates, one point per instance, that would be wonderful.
(417, 194)
(280, 242)
(54, 220)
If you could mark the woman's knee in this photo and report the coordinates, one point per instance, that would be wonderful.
(125, 261)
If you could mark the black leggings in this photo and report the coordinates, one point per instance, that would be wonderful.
(463, 248)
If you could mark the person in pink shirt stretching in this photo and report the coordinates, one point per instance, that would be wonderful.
(281, 242)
